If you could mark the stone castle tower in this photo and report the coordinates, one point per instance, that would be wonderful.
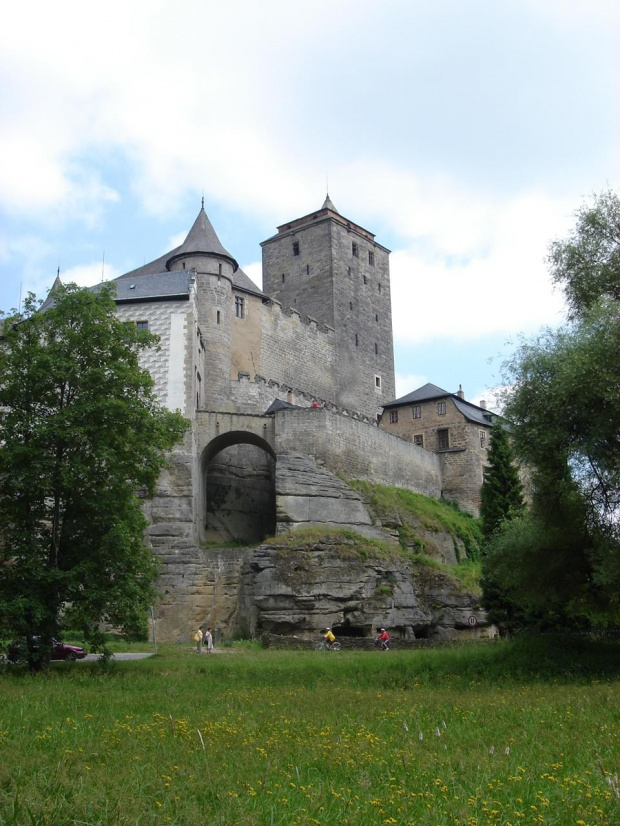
(333, 270)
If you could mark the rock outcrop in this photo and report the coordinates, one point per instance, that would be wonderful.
(301, 590)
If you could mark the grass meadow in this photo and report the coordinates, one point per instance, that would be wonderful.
(520, 732)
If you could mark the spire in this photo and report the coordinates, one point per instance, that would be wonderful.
(328, 204)
(201, 238)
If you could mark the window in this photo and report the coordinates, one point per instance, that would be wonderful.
(239, 306)
(483, 438)
(283, 278)
(371, 258)
(307, 269)
(354, 250)
(393, 416)
(217, 317)
(142, 325)
(357, 340)
(417, 411)
(443, 439)
(441, 408)
(379, 287)
(295, 247)
(219, 269)
(376, 349)
(378, 382)
(365, 280)
(349, 272)
(376, 316)
(418, 440)
(350, 305)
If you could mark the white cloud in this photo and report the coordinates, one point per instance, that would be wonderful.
(175, 241)
(255, 272)
(500, 284)
(86, 275)
(492, 396)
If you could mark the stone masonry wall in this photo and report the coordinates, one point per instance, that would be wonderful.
(358, 450)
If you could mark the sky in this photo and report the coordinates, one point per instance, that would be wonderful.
(465, 135)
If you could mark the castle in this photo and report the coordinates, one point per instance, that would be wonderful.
(285, 390)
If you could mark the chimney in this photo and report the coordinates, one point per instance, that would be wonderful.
(483, 404)
(460, 393)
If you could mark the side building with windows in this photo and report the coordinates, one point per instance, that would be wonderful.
(448, 425)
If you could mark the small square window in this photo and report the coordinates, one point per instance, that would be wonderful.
(371, 258)
(354, 250)
(441, 408)
(418, 440)
(417, 411)
(443, 439)
(295, 247)
(393, 416)
(239, 307)
(142, 325)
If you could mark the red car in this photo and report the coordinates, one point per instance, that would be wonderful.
(60, 651)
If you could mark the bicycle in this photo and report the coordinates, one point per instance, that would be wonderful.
(323, 645)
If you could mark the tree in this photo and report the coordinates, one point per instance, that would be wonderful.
(81, 432)
(562, 562)
(502, 496)
(587, 264)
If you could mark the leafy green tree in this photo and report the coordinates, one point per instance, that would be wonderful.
(587, 264)
(502, 491)
(81, 433)
(562, 563)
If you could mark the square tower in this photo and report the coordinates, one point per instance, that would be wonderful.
(333, 270)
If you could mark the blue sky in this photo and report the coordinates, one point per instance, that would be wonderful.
(464, 134)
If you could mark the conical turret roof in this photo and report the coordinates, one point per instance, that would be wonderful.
(201, 238)
(329, 204)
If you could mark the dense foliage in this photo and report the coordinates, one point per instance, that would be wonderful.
(562, 563)
(501, 492)
(81, 432)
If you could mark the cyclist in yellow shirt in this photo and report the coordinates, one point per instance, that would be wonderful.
(330, 639)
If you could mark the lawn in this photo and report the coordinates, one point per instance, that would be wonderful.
(514, 733)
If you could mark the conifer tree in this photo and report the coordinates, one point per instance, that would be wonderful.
(502, 491)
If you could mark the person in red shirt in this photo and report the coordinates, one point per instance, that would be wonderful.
(384, 640)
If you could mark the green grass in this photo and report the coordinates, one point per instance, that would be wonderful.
(417, 511)
(498, 734)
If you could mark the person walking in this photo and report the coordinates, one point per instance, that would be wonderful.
(198, 640)
(208, 640)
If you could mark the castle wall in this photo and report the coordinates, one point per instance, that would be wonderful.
(286, 352)
(357, 450)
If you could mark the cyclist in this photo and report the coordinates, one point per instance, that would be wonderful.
(330, 639)
(384, 640)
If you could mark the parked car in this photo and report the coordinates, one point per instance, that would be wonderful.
(60, 651)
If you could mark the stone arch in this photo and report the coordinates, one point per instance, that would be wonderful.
(237, 488)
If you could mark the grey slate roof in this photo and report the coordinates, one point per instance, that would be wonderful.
(428, 392)
(278, 404)
(145, 287)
